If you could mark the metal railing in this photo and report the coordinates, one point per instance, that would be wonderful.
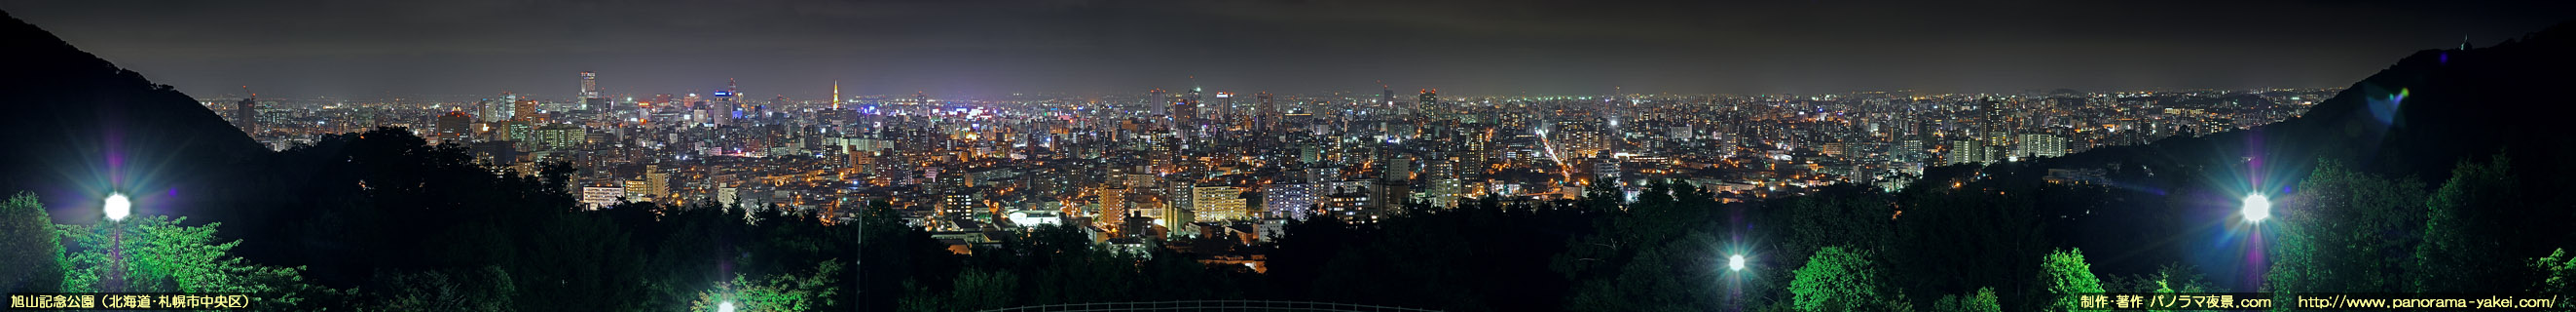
(1207, 305)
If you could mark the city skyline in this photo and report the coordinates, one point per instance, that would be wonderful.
(1111, 48)
(1324, 155)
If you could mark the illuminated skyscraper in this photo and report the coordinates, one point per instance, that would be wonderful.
(657, 183)
(1155, 100)
(1394, 182)
(1187, 109)
(246, 115)
(1387, 98)
(1220, 202)
(590, 98)
(1267, 113)
(1422, 106)
(1224, 104)
(2040, 145)
(523, 109)
(589, 85)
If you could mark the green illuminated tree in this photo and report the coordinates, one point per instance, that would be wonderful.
(2466, 229)
(2346, 231)
(776, 293)
(2557, 273)
(2066, 275)
(1835, 280)
(1982, 301)
(31, 254)
(161, 255)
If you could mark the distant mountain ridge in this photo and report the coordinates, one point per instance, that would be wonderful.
(75, 127)
(2417, 117)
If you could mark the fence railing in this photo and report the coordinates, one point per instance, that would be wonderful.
(1208, 305)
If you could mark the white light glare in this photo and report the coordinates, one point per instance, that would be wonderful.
(1735, 262)
(726, 306)
(2257, 208)
(117, 206)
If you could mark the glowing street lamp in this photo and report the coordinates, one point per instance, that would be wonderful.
(117, 207)
(1735, 262)
(2256, 208)
(726, 306)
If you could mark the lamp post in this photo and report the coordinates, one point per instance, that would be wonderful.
(116, 207)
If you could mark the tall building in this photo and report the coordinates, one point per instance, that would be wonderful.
(487, 111)
(657, 184)
(1292, 197)
(1220, 203)
(1113, 201)
(2040, 145)
(589, 85)
(1177, 217)
(1224, 104)
(1965, 152)
(524, 109)
(1422, 105)
(1267, 113)
(590, 98)
(1387, 95)
(1186, 109)
(455, 126)
(1577, 138)
(1394, 182)
(836, 94)
(246, 115)
(1155, 101)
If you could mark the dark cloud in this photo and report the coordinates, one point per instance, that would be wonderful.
(370, 48)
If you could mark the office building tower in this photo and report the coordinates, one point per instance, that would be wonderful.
(455, 126)
(2040, 145)
(590, 98)
(524, 110)
(1155, 100)
(1219, 203)
(1266, 112)
(1422, 105)
(1292, 198)
(246, 115)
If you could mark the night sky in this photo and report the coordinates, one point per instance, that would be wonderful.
(462, 48)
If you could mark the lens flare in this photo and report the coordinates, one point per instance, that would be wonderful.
(117, 207)
(2256, 208)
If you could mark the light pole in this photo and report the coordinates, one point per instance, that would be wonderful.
(117, 207)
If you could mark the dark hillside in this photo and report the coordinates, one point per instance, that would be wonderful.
(77, 127)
